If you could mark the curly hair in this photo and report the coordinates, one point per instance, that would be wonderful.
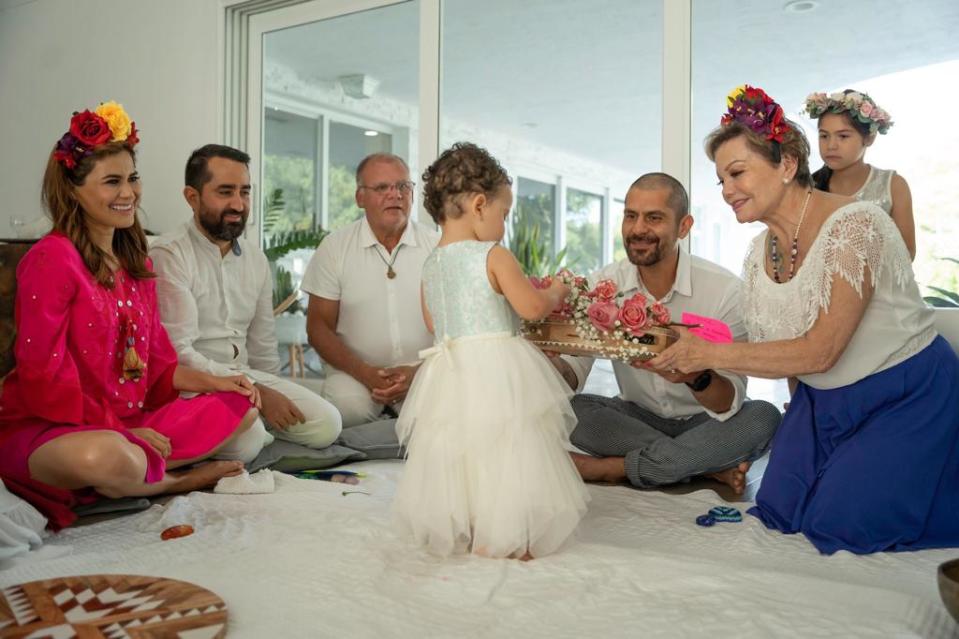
(60, 201)
(794, 144)
(462, 169)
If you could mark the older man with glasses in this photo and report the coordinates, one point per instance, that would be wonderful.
(364, 316)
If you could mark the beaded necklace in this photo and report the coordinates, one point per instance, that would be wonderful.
(774, 256)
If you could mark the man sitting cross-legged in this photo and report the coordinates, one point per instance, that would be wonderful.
(216, 297)
(666, 427)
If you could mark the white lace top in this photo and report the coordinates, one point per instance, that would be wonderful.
(896, 324)
(877, 188)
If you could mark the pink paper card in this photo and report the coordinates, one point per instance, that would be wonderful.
(711, 330)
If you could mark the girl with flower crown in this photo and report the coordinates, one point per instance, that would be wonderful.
(487, 417)
(848, 124)
(867, 456)
(92, 408)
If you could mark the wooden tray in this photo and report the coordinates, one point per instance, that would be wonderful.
(561, 337)
(111, 606)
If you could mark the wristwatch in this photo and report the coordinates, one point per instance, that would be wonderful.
(701, 382)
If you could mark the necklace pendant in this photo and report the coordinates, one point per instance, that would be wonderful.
(390, 273)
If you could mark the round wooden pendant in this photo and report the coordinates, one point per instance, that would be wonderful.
(110, 606)
(390, 273)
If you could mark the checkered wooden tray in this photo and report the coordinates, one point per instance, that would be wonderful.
(112, 607)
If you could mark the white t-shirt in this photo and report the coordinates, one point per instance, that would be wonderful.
(380, 319)
(897, 323)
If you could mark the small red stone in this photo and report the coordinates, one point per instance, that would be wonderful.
(176, 531)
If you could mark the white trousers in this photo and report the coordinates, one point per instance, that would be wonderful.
(352, 399)
(323, 423)
(247, 445)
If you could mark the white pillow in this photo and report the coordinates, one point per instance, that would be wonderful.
(22, 527)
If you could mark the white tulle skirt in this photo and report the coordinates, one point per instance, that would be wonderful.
(485, 424)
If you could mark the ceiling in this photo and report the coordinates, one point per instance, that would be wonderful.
(584, 76)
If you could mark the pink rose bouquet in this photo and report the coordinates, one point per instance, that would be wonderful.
(605, 321)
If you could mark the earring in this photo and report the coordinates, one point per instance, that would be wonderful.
(785, 180)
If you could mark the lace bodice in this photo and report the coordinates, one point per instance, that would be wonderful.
(458, 293)
(858, 240)
(877, 189)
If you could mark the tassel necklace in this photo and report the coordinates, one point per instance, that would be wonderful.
(133, 364)
(774, 256)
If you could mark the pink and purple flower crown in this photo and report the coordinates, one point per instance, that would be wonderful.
(758, 112)
(92, 129)
(857, 104)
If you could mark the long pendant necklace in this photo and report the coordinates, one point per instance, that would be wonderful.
(774, 256)
(133, 365)
(390, 273)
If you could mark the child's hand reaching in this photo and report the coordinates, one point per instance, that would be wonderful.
(560, 288)
(558, 291)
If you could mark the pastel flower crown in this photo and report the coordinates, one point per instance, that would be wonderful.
(91, 129)
(757, 111)
(858, 105)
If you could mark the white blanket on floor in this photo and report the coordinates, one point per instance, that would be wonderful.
(309, 561)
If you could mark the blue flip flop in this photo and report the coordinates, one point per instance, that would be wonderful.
(725, 513)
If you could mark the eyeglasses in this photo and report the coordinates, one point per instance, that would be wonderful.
(383, 188)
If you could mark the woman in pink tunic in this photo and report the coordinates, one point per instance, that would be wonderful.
(92, 408)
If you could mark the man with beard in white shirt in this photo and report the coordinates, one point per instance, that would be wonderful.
(666, 426)
(215, 293)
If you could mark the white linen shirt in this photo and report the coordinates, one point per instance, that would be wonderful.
(217, 309)
(701, 287)
(380, 319)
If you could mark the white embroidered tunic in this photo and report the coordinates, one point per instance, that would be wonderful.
(857, 239)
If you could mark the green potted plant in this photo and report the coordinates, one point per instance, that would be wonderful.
(533, 257)
(289, 312)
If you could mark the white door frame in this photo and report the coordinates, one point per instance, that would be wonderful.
(314, 11)
(243, 122)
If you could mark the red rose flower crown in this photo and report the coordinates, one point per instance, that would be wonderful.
(751, 107)
(92, 129)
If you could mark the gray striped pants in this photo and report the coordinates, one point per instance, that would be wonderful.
(660, 450)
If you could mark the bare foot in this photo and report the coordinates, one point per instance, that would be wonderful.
(734, 477)
(526, 557)
(203, 476)
(602, 469)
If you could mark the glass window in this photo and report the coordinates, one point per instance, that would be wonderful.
(530, 231)
(823, 54)
(335, 91)
(348, 146)
(289, 172)
(583, 231)
(619, 251)
(557, 89)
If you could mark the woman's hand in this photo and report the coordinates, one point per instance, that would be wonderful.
(236, 384)
(157, 441)
(688, 355)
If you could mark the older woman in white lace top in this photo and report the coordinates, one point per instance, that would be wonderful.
(867, 457)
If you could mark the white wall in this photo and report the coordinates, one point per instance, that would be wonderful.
(159, 58)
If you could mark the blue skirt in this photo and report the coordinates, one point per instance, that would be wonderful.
(871, 466)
